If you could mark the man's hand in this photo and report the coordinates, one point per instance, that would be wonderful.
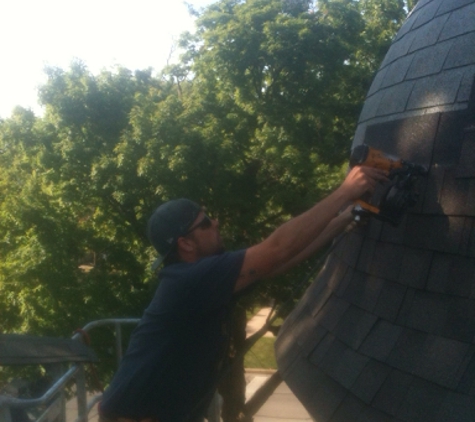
(361, 180)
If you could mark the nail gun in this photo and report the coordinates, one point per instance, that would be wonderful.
(390, 200)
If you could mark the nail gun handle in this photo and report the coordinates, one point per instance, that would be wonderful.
(366, 207)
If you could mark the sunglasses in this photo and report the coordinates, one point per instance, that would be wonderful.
(204, 224)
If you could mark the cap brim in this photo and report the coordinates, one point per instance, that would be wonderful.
(156, 264)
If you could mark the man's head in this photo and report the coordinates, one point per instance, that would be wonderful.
(175, 227)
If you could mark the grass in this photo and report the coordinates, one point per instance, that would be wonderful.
(261, 355)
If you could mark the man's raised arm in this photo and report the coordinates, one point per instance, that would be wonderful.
(282, 248)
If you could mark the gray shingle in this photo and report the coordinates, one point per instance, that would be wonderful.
(436, 233)
(393, 234)
(436, 90)
(331, 313)
(366, 255)
(394, 99)
(374, 228)
(439, 272)
(386, 261)
(434, 181)
(471, 247)
(460, 322)
(381, 340)
(406, 307)
(310, 340)
(327, 399)
(469, 208)
(399, 47)
(350, 408)
(396, 71)
(466, 167)
(335, 272)
(353, 247)
(415, 267)
(464, 248)
(322, 348)
(448, 6)
(390, 301)
(462, 51)
(460, 22)
(454, 194)
(406, 353)
(370, 380)
(428, 312)
(423, 401)
(428, 34)
(429, 61)
(427, 13)
(430, 357)
(317, 297)
(345, 281)
(363, 290)
(287, 352)
(467, 381)
(454, 235)
(343, 364)
(377, 82)
(393, 392)
(466, 85)
(456, 408)
(354, 326)
(319, 393)
(373, 415)
(294, 316)
(371, 106)
(423, 3)
(448, 143)
(461, 276)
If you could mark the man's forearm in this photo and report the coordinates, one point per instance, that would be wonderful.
(333, 229)
(297, 234)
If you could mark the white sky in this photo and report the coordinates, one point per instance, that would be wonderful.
(135, 34)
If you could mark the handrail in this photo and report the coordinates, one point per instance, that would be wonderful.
(24, 403)
(75, 371)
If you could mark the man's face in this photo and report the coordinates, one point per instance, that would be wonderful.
(205, 234)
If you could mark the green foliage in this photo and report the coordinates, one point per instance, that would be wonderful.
(255, 122)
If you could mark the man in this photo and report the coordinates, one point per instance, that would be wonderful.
(175, 356)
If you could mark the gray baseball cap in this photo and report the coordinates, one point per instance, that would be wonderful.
(170, 221)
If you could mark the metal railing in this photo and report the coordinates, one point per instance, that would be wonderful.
(54, 400)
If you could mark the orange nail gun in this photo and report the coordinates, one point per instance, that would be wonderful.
(390, 200)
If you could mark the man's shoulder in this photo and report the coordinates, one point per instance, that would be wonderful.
(205, 272)
(224, 259)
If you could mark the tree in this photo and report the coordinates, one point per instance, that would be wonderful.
(255, 122)
(280, 85)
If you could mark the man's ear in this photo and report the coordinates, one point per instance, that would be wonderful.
(185, 244)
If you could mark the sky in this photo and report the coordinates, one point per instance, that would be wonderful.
(101, 33)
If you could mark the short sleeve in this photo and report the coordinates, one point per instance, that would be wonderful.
(217, 278)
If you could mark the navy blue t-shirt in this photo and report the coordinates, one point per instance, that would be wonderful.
(173, 360)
